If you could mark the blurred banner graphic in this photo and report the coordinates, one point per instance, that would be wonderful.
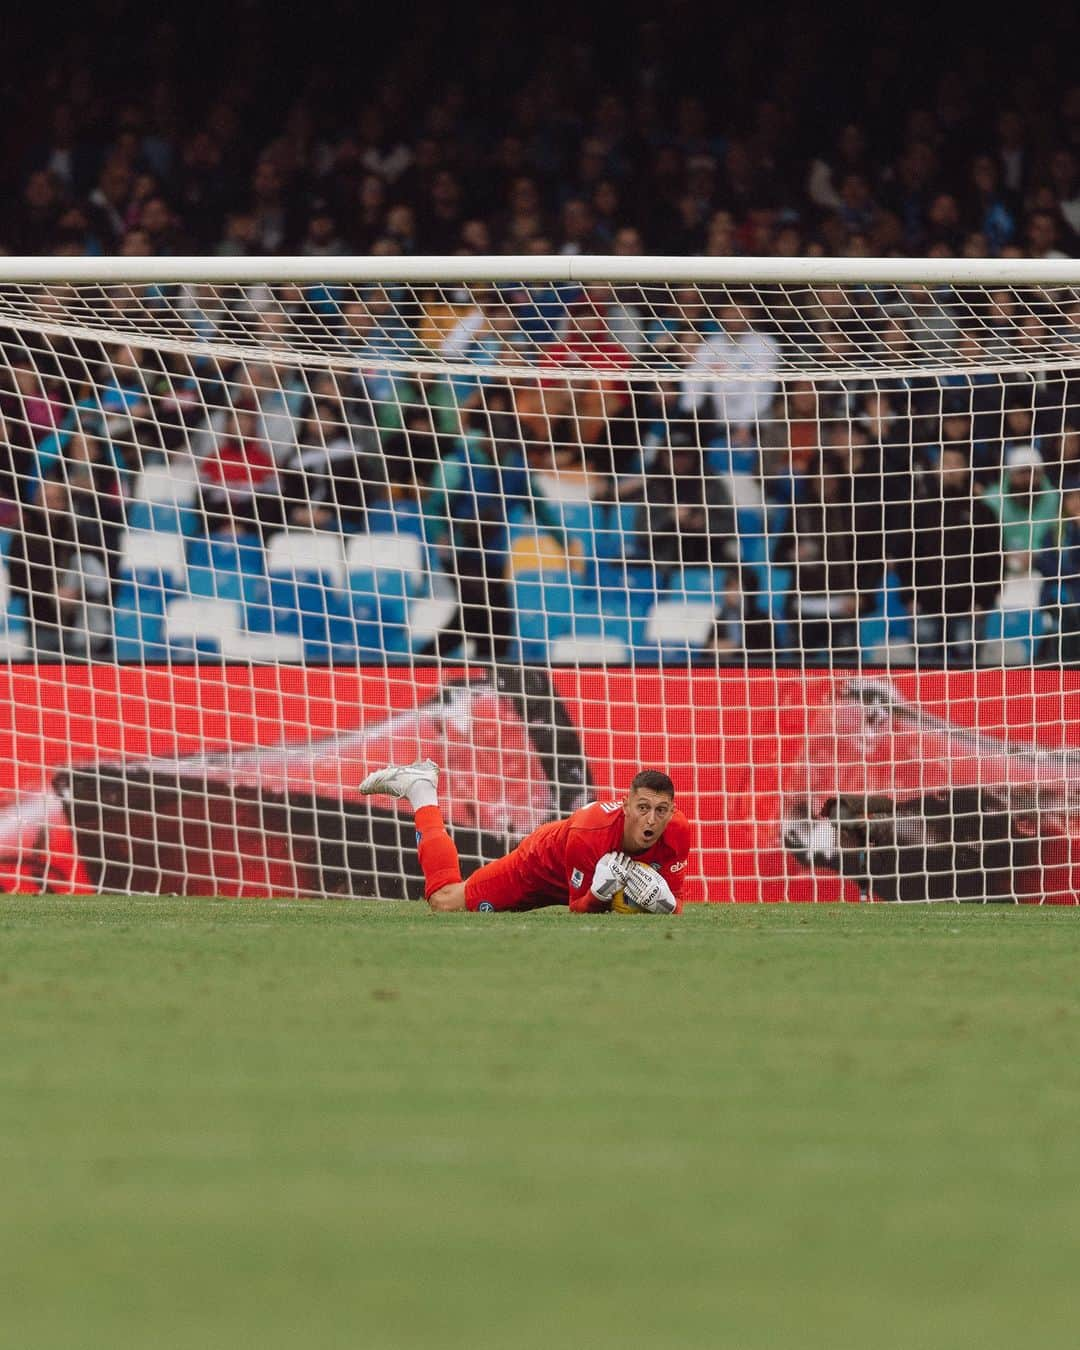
(241, 780)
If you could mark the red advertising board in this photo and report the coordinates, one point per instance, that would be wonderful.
(202, 778)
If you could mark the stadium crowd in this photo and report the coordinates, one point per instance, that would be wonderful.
(810, 505)
(563, 141)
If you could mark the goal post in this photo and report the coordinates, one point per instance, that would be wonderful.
(803, 533)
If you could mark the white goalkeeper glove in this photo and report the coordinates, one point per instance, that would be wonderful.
(610, 875)
(648, 891)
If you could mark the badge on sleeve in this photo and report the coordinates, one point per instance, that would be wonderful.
(576, 878)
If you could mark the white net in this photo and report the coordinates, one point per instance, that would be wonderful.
(812, 546)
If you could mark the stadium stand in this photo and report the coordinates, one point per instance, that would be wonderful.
(559, 156)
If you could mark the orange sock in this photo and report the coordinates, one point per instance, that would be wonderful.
(438, 852)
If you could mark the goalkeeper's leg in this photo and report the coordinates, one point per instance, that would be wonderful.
(418, 783)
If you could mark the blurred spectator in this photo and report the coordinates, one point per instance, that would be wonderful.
(465, 512)
(792, 438)
(400, 228)
(736, 350)
(1025, 503)
(955, 568)
(109, 199)
(739, 631)
(238, 478)
(322, 239)
(578, 228)
(828, 171)
(442, 217)
(29, 405)
(328, 469)
(16, 466)
(1043, 234)
(1061, 589)
(990, 210)
(823, 603)
(1065, 183)
(35, 220)
(1012, 153)
(269, 207)
(63, 551)
(689, 517)
(241, 237)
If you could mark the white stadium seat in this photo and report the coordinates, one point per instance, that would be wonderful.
(215, 620)
(172, 484)
(682, 623)
(263, 647)
(429, 616)
(589, 651)
(307, 551)
(152, 551)
(385, 551)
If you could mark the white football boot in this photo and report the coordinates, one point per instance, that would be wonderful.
(419, 782)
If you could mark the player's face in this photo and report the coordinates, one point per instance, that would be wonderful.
(647, 814)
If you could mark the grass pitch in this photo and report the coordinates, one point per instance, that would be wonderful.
(349, 1125)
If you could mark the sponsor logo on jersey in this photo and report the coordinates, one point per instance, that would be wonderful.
(611, 807)
(485, 907)
(678, 866)
(576, 878)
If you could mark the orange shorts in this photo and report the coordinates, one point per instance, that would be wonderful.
(500, 885)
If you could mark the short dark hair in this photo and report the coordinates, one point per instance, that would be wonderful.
(655, 780)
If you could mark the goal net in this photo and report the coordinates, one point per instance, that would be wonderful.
(805, 535)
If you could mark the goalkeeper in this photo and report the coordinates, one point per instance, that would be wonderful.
(589, 861)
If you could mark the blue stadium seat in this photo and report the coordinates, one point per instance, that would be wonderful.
(644, 584)
(614, 530)
(151, 572)
(379, 606)
(543, 607)
(678, 626)
(722, 459)
(232, 569)
(139, 621)
(1011, 631)
(307, 572)
(398, 518)
(168, 517)
(696, 582)
(752, 527)
(386, 573)
(201, 627)
(152, 558)
(888, 623)
(778, 584)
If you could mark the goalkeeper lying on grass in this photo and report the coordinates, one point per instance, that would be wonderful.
(628, 856)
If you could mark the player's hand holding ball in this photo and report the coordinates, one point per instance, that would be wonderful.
(609, 875)
(645, 892)
(631, 887)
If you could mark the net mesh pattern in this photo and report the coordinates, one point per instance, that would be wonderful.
(508, 327)
(813, 549)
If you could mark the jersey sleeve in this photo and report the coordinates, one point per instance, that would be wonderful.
(580, 859)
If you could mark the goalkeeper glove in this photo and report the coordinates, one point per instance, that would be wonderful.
(610, 875)
(648, 891)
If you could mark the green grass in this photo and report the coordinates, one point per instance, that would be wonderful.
(323, 1125)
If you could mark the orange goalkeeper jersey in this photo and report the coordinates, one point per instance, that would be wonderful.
(554, 865)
